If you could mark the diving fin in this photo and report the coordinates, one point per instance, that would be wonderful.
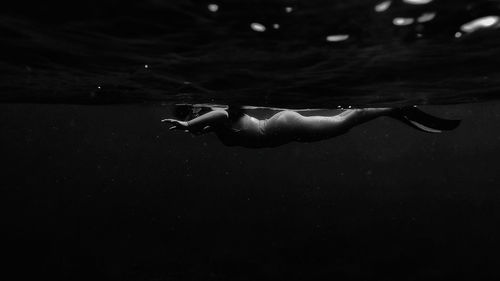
(422, 121)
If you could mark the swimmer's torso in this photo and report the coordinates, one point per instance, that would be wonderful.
(246, 131)
(249, 126)
(251, 132)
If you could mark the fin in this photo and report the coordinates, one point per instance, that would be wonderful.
(422, 121)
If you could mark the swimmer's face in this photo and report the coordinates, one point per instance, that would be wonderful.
(188, 112)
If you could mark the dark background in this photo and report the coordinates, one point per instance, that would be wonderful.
(106, 192)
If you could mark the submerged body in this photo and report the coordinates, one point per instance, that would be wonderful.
(288, 126)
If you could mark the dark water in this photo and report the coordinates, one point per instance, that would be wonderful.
(96, 52)
(105, 192)
(95, 187)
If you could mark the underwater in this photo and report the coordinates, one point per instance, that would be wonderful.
(100, 181)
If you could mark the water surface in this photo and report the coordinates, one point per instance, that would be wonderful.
(269, 53)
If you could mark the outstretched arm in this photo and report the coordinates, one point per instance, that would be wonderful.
(199, 124)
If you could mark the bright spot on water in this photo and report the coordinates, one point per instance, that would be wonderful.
(146, 66)
(383, 6)
(276, 26)
(402, 21)
(458, 35)
(288, 9)
(484, 22)
(99, 87)
(213, 8)
(255, 26)
(417, 2)
(337, 38)
(425, 17)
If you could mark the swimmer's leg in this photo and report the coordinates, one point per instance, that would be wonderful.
(293, 126)
(289, 125)
(409, 115)
(354, 117)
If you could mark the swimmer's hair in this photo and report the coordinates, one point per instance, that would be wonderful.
(235, 112)
(186, 112)
(182, 111)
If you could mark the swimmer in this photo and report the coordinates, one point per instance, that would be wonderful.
(235, 128)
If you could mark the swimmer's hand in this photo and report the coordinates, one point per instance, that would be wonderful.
(176, 124)
(199, 132)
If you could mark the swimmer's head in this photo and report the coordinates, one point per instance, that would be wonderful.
(187, 112)
(235, 112)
